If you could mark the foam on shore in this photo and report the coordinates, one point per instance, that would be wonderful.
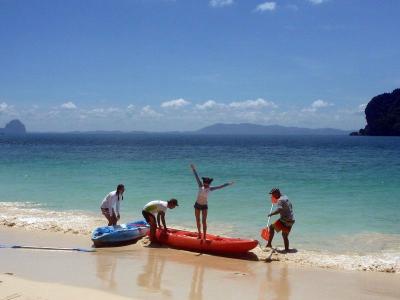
(31, 216)
(388, 262)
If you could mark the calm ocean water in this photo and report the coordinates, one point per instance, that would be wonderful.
(345, 190)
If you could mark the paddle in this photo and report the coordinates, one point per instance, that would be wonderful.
(265, 231)
(46, 248)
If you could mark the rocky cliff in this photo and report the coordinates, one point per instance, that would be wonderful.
(383, 115)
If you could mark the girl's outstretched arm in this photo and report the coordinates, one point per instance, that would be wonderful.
(196, 175)
(221, 186)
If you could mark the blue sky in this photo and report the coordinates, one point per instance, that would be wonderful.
(179, 65)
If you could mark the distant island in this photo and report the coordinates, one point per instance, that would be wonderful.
(13, 127)
(383, 115)
(254, 129)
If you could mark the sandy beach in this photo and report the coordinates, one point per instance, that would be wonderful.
(228, 124)
(139, 272)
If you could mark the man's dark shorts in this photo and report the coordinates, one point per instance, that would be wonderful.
(148, 216)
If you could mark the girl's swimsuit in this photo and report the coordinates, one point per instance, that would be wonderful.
(200, 206)
(202, 198)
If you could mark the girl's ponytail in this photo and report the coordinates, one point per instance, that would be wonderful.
(119, 188)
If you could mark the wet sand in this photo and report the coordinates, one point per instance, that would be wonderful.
(140, 272)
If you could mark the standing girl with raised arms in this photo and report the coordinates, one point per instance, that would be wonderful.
(201, 205)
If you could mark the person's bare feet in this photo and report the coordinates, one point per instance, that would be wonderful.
(206, 239)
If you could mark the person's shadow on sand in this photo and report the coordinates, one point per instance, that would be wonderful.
(196, 287)
(105, 269)
(151, 277)
(276, 284)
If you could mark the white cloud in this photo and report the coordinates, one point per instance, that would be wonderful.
(131, 108)
(318, 113)
(320, 103)
(3, 107)
(102, 112)
(68, 105)
(220, 3)
(316, 2)
(252, 104)
(358, 110)
(8, 109)
(266, 6)
(316, 105)
(147, 111)
(256, 104)
(210, 104)
(361, 107)
(237, 106)
(177, 103)
(52, 113)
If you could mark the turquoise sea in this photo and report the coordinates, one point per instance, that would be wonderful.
(345, 190)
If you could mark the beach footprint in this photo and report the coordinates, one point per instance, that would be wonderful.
(12, 296)
(240, 274)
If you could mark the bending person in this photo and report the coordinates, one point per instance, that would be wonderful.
(110, 205)
(155, 210)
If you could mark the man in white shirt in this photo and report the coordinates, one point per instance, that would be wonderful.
(156, 210)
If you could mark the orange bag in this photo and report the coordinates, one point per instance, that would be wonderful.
(265, 233)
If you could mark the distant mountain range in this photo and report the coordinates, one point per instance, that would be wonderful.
(254, 129)
(238, 129)
(17, 127)
(108, 132)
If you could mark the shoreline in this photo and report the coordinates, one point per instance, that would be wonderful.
(159, 273)
(32, 217)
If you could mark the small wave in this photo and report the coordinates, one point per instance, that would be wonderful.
(12, 205)
(29, 216)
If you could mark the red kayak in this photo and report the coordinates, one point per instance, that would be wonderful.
(186, 240)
